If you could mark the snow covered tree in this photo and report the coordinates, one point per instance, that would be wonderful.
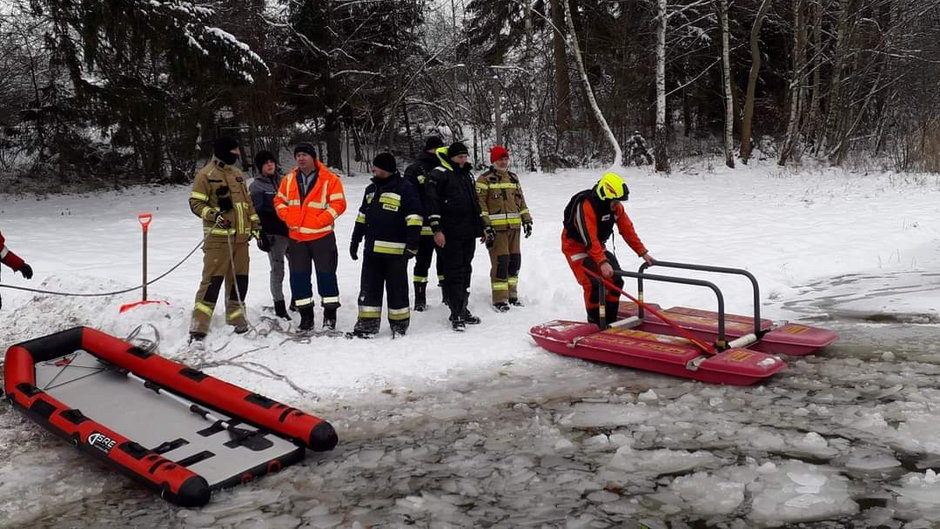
(131, 67)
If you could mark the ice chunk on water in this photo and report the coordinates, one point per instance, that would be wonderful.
(799, 492)
(709, 495)
(871, 461)
(920, 492)
(588, 414)
(658, 462)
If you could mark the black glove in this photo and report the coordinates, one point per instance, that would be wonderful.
(490, 233)
(354, 250)
(27, 271)
(264, 244)
(527, 228)
(224, 198)
(411, 251)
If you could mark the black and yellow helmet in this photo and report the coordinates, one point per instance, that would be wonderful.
(611, 187)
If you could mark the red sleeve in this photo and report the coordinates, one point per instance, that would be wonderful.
(625, 225)
(586, 223)
(9, 258)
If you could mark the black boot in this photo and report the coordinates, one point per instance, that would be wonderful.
(594, 316)
(292, 306)
(280, 310)
(515, 302)
(366, 328)
(612, 307)
(458, 324)
(469, 318)
(306, 318)
(421, 297)
(501, 306)
(329, 317)
(399, 328)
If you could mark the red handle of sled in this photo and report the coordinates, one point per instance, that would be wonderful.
(681, 332)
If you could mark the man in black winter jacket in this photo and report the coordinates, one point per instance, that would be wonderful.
(454, 214)
(390, 221)
(417, 173)
(274, 238)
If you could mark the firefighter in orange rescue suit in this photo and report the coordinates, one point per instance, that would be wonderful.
(590, 217)
(13, 261)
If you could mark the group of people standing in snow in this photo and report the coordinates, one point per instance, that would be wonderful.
(436, 207)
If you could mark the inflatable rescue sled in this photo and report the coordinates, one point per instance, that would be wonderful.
(709, 346)
(177, 430)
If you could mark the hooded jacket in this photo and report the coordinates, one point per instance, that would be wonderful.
(452, 203)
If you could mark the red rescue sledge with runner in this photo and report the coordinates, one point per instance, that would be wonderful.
(712, 347)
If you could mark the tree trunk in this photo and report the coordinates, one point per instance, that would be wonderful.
(532, 143)
(726, 75)
(588, 91)
(660, 137)
(834, 100)
(746, 141)
(562, 83)
(796, 84)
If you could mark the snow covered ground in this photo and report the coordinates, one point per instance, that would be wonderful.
(486, 429)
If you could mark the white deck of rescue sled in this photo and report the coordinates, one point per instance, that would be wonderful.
(128, 408)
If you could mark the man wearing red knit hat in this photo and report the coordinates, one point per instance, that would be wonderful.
(505, 214)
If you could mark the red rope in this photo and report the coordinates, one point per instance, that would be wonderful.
(682, 332)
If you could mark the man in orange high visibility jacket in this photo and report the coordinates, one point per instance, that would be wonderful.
(590, 217)
(309, 200)
(13, 261)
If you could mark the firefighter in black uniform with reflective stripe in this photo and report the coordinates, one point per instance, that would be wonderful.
(390, 221)
(417, 173)
(454, 214)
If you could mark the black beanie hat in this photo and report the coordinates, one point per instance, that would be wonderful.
(385, 161)
(456, 149)
(305, 147)
(433, 142)
(222, 149)
(264, 157)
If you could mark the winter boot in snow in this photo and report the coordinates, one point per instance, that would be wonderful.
(469, 318)
(241, 328)
(280, 310)
(421, 297)
(501, 306)
(516, 303)
(399, 328)
(366, 328)
(292, 306)
(458, 324)
(306, 318)
(329, 317)
(197, 341)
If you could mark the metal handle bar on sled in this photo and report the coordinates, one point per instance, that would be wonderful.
(722, 342)
(706, 268)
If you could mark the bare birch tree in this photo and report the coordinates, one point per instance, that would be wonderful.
(726, 82)
(661, 136)
(588, 91)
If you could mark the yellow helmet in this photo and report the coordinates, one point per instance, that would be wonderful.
(611, 187)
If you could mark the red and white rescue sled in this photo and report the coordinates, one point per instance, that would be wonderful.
(708, 346)
(177, 430)
(755, 333)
